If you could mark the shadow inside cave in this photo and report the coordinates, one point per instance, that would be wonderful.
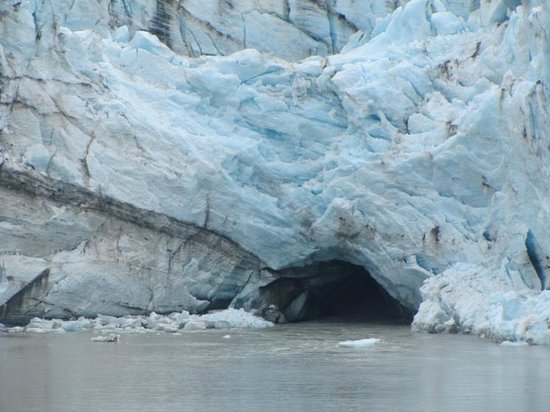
(332, 290)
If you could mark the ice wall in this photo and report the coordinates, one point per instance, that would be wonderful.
(417, 150)
(292, 29)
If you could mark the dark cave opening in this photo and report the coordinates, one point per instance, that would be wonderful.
(330, 290)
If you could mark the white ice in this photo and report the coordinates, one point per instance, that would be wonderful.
(106, 338)
(171, 323)
(360, 343)
(513, 344)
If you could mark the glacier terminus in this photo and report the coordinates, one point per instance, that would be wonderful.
(168, 156)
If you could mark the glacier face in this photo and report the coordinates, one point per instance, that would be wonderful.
(143, 177)
(292, 29)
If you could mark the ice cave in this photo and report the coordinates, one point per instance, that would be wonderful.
(332, 289)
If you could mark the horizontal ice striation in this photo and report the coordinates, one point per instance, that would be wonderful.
(419, 152)
(106, 256)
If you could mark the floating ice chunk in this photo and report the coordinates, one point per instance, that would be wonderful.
(217, 324)
(167, 327)
(514, 343)
(195, 325)
(36, 330)
(226, 336)
(104, 320)
(16, 329)
(236, 318)
(180, 319)
(155, 320)
(72, 326)
(221, 324)
(361, 343)
(131, 322)
(38, 325)
(172, 323)
(85, 323)
(108, 338)
(179, 316)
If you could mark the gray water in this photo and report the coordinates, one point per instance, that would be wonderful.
(296, 367)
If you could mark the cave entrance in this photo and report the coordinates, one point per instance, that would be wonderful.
(330, 290)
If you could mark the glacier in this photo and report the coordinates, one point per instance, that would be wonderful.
(163, 156)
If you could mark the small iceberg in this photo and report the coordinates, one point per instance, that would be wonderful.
(109, 338)
(514, 343)
(361, 343)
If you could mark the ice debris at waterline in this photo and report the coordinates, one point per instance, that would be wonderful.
(482, 302)
(361, 343)
(108, 338)
(174, 322)
(510, 343)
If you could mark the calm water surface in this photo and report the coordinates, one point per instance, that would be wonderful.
(286, 368)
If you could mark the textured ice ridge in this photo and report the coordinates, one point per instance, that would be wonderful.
(135, 178)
